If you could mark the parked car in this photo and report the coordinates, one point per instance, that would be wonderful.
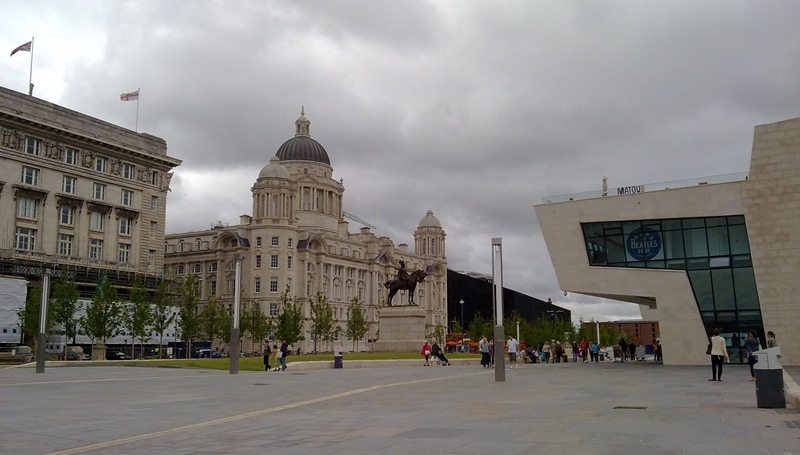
(117, 355)
(208, 354)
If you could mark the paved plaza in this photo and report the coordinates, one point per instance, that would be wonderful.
(570, 408)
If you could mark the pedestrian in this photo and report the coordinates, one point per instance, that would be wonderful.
(594, 351)
(491, 352)
(483, 348)
(426, 352)
(559, 352)
(275, 357)
(584, 347)
(719, 354)
(284, 353)
(512, 351)
(575, 352)
(632, 350)
(771, 342)
(752, 344)
(546, 352)
(659, 355)
(623, 348)
(267, 353)
(437, 352)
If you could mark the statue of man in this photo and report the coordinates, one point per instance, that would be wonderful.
(402, 274)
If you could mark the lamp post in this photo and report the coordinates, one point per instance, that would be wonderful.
(497, 283)
(233, 366)
(41, 339)
(462, 324)
(517, 330)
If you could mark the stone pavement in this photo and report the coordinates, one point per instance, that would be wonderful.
(570, 408)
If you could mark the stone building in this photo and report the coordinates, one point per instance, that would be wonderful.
(297, 240)
(79, 194)
(715, 252)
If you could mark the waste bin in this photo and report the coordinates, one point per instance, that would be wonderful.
(769, 379)
(337, 358)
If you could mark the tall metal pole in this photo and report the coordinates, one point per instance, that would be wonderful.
(462, 324)
(30, 73)
(499, 335)
(234, 363)
(41, 340)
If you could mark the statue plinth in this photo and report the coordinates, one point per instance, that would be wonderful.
(401, 329)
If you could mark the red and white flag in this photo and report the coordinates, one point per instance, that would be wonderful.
(25, 47)
(130, 96)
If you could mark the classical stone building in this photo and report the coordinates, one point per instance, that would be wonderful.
(716, 252)
(297, 240)
(79, 194)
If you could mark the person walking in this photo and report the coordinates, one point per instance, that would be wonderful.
(275, 357)
(546, 352)
(659, 355)
(594, 351)
(267, 353)
(584, 346)
(623, 349)
(771, 342)
(719, 354)
(632, 351)
(491, 352)
(426, 352)
(752, 344)
(512, 351)
(437, 352)
(284, 352)
(483, 348)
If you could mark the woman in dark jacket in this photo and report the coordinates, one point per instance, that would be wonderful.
(752, 344)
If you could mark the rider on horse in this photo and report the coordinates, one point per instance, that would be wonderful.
(402, 275)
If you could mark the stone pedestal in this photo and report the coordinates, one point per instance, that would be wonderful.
(98, 352)
(401, 329)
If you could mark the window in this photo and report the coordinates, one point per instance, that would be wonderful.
(71, 156)
(32, 146)
(128, 171)
(337, 271)
(258, 241)
(258, 261)
(213, 287)
(289, 242)
(95, 249)
(288, 285)
(273, 261)
(25, 239)
(69, 184)
(289, 262)
(101, 164)
(123, 254)
(27, 208)
(212, 266)
(124, 225)
(153, 202)
(273, 285)
(65, 244)
(181, 269)
(275, 240)
(126, 197)
(258, 284)
(96, 221)
(30, 175)
(99, 191)
(273, 309)
(153, 229)
(66, 215)
(151, 257)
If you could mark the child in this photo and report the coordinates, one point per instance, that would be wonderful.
(276, 357)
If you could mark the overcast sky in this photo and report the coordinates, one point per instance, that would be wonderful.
(473, 109)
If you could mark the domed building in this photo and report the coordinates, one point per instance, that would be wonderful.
(298, 240)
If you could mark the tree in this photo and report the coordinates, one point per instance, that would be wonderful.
(455, 324)
(225, 325)
(256, 323)
(29, 316)
(65, 308)
(210, 320)
(435, 332)
(139, 317)
(479, 327)
(104, 315)
(289, 325)
(357, 324)
(322, 327)
(163, 313)
(188, 314)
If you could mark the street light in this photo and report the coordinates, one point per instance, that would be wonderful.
(462, 324)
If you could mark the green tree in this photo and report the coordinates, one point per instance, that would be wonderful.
(435, 332)
(479, 327)
(322, 326)
(29, 315)
(456, 325)
(225, 326)
(210, 320)
(357, 324)
(104, 314)
(256, 323)
(139, 317)
(163, 313)
(289, 326)
(65, 309)
(188, 312)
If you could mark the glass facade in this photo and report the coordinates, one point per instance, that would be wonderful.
(714, 252)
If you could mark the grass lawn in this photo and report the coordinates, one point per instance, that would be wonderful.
(257, 363)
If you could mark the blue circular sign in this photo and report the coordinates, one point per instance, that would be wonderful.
(643, 244)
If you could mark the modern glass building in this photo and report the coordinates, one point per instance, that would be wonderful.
(717, 252)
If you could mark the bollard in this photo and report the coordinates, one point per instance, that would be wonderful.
(769, 379)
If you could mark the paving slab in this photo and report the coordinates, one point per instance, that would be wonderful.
(601, 408)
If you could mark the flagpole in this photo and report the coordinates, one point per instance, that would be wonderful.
(30, 73)
(138, 95)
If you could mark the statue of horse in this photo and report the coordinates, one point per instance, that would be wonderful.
(409, 285)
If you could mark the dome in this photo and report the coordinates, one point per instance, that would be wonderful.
(274, 169)
(301, 147)
(429, 220)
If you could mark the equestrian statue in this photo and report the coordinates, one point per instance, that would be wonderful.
(406, 282)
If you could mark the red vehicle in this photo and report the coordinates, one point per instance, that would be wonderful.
(460, 342)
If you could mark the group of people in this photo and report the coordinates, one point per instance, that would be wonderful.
(276, 356)
(718, 351)
(433, 351)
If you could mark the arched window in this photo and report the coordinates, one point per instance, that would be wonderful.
(197, 245)
(180, 246)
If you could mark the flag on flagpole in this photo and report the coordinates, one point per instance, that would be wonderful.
(25, 47)
(130, 96)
